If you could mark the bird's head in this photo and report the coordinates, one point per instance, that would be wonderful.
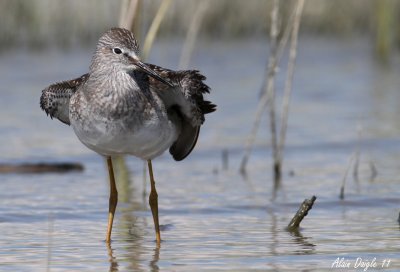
(118, 49)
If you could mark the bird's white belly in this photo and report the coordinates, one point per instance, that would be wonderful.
(110, 139)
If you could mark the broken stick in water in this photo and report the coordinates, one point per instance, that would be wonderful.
(301, 213)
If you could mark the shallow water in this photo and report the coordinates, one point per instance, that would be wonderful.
(212, 218)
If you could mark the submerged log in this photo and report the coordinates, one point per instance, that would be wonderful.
(28, 168)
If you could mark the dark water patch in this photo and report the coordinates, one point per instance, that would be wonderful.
(30, 168)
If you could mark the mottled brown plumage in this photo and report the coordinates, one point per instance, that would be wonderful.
(55, 98)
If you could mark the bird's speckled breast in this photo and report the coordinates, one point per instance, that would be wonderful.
(113, 123)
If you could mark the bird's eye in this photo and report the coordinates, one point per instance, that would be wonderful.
(116, 50)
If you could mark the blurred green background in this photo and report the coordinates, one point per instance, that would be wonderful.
(65, 23)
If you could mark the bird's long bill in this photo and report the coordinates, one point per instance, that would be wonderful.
(150, 72)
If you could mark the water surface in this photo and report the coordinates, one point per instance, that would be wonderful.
(212, 218)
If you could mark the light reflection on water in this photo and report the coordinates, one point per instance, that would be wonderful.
(212, 219)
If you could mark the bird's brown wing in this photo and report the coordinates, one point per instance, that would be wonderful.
(55, 98)
(186, 100)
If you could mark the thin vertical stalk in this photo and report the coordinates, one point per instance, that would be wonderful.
(192, 33)
(289, 79)
(374, 172)
(342, 188)
(251, 138)
(127, 18)
(385, 16)
(262, 104)
(268, 93)
(357, 153)
(270, 87)
(155, 25)
(122, 12)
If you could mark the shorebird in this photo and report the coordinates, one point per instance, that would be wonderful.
(124, 106)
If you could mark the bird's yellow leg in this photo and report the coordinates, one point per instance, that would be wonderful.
(153, 201)
(113, 199)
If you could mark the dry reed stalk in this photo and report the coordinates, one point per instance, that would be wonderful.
(155, 25)
(268, 94)
(374, 171)
(127, 17)
(289, 80)
(262, 104)
(385, 19)
(225, 159)
(192, 34)
(122, 12)
(341, 195)
(270, 87)
(357, 153)
(251, 138)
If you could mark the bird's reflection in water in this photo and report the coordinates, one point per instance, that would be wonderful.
(112, 259)
(156, 257)
(306, 247)
(133, 228)
(153, 264)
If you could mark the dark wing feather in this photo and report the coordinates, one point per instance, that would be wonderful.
(55, 98)
(187, 101)
(186, 141)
